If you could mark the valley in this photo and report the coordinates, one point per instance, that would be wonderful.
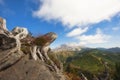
(94, 63)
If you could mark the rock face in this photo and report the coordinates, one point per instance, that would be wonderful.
(27, 69)
(15, 65)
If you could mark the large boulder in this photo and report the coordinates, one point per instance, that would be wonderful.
(28, 69)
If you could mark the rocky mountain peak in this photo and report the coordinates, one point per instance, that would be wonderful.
(66, 47)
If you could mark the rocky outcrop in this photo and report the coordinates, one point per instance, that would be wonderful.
(15, 64)
(28, 69)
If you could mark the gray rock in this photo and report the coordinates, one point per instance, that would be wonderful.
(27, 69)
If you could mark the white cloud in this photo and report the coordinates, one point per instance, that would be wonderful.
(116, 28)
(76, 32)
(74, 44)
(98, 38)
(77, 12)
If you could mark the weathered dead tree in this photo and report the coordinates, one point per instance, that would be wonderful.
(10, 44)
(41, 47)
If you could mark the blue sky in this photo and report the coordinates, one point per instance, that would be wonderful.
(90, 23)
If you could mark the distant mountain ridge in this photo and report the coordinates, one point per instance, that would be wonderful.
(65, 47)
(114, 49)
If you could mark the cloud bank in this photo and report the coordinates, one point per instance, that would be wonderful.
(77, 12)
(116, 28)
(77, 31)
(97, 38)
